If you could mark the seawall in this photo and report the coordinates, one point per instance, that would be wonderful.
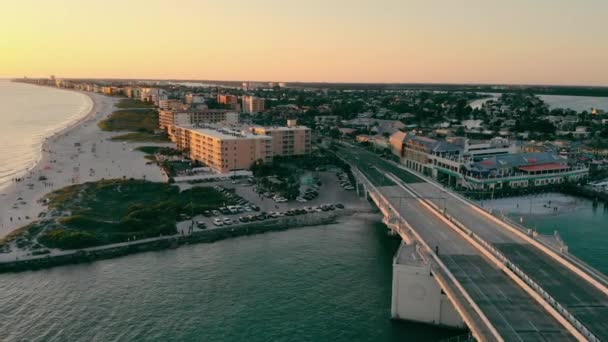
(174, 241)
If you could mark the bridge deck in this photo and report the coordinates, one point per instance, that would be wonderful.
(515, 315)
(585, 302)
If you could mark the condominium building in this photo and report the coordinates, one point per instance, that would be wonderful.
(168, 119)
(193, 99)
(224, 150)
(230, 100)
(252, 104)
(171, 105)
(287, 141)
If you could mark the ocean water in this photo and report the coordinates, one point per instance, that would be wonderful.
(582, 226)
(577, 103)
(28, 115)
(323, 283)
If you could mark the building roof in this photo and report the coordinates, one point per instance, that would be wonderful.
(543, 167)
(517, 160)
(228, 134)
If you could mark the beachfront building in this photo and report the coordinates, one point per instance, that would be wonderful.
(194, 99)
(291, 140)
(252, 104)
(152, 94)
(168, 119)
(230, 100)
(171, 105)
(483, 165)
(224, 150)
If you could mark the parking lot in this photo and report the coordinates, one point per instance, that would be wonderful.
(254, 206)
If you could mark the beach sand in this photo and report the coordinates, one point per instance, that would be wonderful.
(79, 154)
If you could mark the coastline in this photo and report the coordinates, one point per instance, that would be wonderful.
(71, 123)
(62, 161)
(35, 262)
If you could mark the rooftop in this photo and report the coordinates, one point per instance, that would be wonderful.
(227, 134)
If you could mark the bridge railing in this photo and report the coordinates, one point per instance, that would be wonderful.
(510, 265)
(595, 274)
(443, 275)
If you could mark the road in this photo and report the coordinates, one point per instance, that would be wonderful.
(514, 314)
(584, 301)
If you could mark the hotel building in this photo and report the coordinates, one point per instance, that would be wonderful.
(231, 100)
(287, 141)
(168, 119)
(224, 150)
(252, 104)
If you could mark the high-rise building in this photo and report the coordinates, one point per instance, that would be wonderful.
(252, 104)
(287, 141)
(168, 119)
(227, 99)
(224, 150)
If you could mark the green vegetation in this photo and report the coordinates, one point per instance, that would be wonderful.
(111, 211)
(133, 103)
(141, 137)
(134, 120)
(173, 167)
(141, 123)
(165, 151)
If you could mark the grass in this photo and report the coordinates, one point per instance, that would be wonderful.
(133, 103)
(165, 151)
(141, 137)
(134, 120)
(111, 211)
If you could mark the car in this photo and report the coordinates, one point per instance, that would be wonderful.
(301, 200)
(227, 221)
(215, 212)
(339, 206)
(255, 208)
(218, 222)
(242, 219)
(207, 213)
(350, 187)
(201, 224)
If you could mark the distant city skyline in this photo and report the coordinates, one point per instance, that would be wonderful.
(517, 42)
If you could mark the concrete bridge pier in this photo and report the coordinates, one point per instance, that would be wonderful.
(416, 294)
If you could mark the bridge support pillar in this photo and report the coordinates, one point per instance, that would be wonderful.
(416, 294)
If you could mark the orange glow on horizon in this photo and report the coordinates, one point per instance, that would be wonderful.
(471, 41)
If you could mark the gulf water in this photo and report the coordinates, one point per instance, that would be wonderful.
(28, 115)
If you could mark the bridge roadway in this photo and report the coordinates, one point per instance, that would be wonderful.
(588, 304)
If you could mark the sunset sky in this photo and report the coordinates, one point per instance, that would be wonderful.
(466, 41)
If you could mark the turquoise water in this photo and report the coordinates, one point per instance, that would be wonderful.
(325, 283)
(585, 231)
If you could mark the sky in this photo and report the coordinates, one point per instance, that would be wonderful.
(406, 41)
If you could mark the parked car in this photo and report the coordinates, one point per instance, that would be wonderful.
(218, 222)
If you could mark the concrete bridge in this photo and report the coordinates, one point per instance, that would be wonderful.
(460, 265)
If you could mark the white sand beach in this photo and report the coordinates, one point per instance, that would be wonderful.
(79, 154)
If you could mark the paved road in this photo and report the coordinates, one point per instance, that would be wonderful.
(513, 313)
(585, 302)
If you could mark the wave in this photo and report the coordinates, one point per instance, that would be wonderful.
(23, 159)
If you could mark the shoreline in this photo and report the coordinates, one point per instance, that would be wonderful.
(76, 153)
(38, 262)
(65, 128)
